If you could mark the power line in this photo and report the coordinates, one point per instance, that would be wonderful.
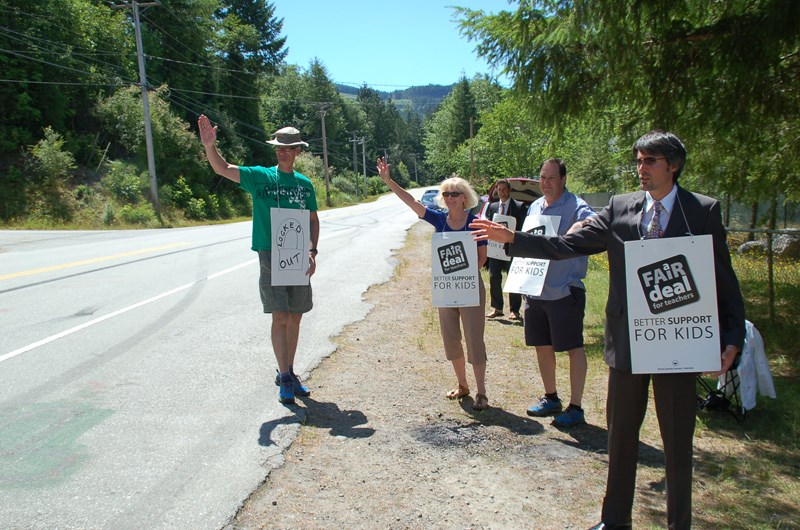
(66, 83)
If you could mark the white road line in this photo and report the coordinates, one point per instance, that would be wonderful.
(103, 318)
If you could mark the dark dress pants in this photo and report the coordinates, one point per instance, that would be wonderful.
(676, 402)
(496, 269)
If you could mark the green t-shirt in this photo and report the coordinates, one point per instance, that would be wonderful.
(265, 185)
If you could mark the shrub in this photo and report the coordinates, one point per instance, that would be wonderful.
(124, 183)
(212, 206)
(48, 160)
(310, 166)
(196, 209)
(109, 214)
(225, 209)
(376, 185)
(182, 193)
(345, 183)
(142, 214)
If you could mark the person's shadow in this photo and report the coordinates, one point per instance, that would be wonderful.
(589, 437)
(321, 415)
(496, 416)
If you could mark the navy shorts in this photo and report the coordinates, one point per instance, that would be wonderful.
(556, 323)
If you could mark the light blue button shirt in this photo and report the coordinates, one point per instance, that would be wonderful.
(563, 274)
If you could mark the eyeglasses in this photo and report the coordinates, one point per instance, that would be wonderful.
(451, 193)
(285, 148)
(647, 160)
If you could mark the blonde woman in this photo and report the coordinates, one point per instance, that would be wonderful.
(457, 196)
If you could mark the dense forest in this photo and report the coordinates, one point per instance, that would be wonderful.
(588, 78)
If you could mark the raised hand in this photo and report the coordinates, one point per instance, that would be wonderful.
(208, 133)
(484, 229)
(384, 170)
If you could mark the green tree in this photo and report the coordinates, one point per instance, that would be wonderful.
(448, 128)
(54, 65)
(716, 73)
(251, 50)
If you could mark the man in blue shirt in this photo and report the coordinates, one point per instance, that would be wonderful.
(554, 319)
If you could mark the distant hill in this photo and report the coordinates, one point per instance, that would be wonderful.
(420, 99)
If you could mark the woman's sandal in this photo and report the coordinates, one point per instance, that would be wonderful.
(481, 402)
(458, 392)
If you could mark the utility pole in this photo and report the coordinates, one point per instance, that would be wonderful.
(148, 132)
(355, 163)
(471, 149)
(325, 157)
(363, 142)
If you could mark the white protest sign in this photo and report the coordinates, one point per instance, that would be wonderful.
(527, 275)
(496, 250)
(291, 231)
(672, 305)
(454, 267)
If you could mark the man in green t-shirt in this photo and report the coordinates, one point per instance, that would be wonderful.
(275, 187)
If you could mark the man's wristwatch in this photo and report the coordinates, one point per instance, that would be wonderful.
(312, 251)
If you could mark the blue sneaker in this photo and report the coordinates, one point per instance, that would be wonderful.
(286, 392)
(299, 388)
(569, 418)
(545, 407)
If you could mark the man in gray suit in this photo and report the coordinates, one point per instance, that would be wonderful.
(660, 157)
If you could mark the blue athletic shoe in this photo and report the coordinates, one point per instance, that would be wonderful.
(569, 418)
(286, 392)
(545, 407)
(299, 388)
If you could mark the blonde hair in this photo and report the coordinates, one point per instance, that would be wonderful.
(456, 183)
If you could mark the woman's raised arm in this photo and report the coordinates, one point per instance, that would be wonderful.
(384, 172)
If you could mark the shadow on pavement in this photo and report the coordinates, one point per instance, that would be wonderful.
(321, 415)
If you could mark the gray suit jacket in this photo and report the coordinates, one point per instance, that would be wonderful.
(620, 222)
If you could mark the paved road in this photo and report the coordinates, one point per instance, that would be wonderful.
(135, 372)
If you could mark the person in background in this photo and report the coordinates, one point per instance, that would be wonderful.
(275, 187)
(457, 196)
(554, 318)
(662, 209)
(514, 208)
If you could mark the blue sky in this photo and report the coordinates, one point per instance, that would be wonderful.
(388, 45)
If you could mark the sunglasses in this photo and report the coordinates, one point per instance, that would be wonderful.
(285, 148)
(647, 160)
(451, 193)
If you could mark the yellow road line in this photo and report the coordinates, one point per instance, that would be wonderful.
(90, 261)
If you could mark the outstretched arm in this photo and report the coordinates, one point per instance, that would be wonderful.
(384, 172)
(208, 135)
(484, 229)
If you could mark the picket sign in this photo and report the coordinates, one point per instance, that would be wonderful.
(673, 321)
(527, 275)
(497, 250)
(290, 242)
(454, 268)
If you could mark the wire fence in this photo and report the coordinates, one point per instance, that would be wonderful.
(781, 276)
